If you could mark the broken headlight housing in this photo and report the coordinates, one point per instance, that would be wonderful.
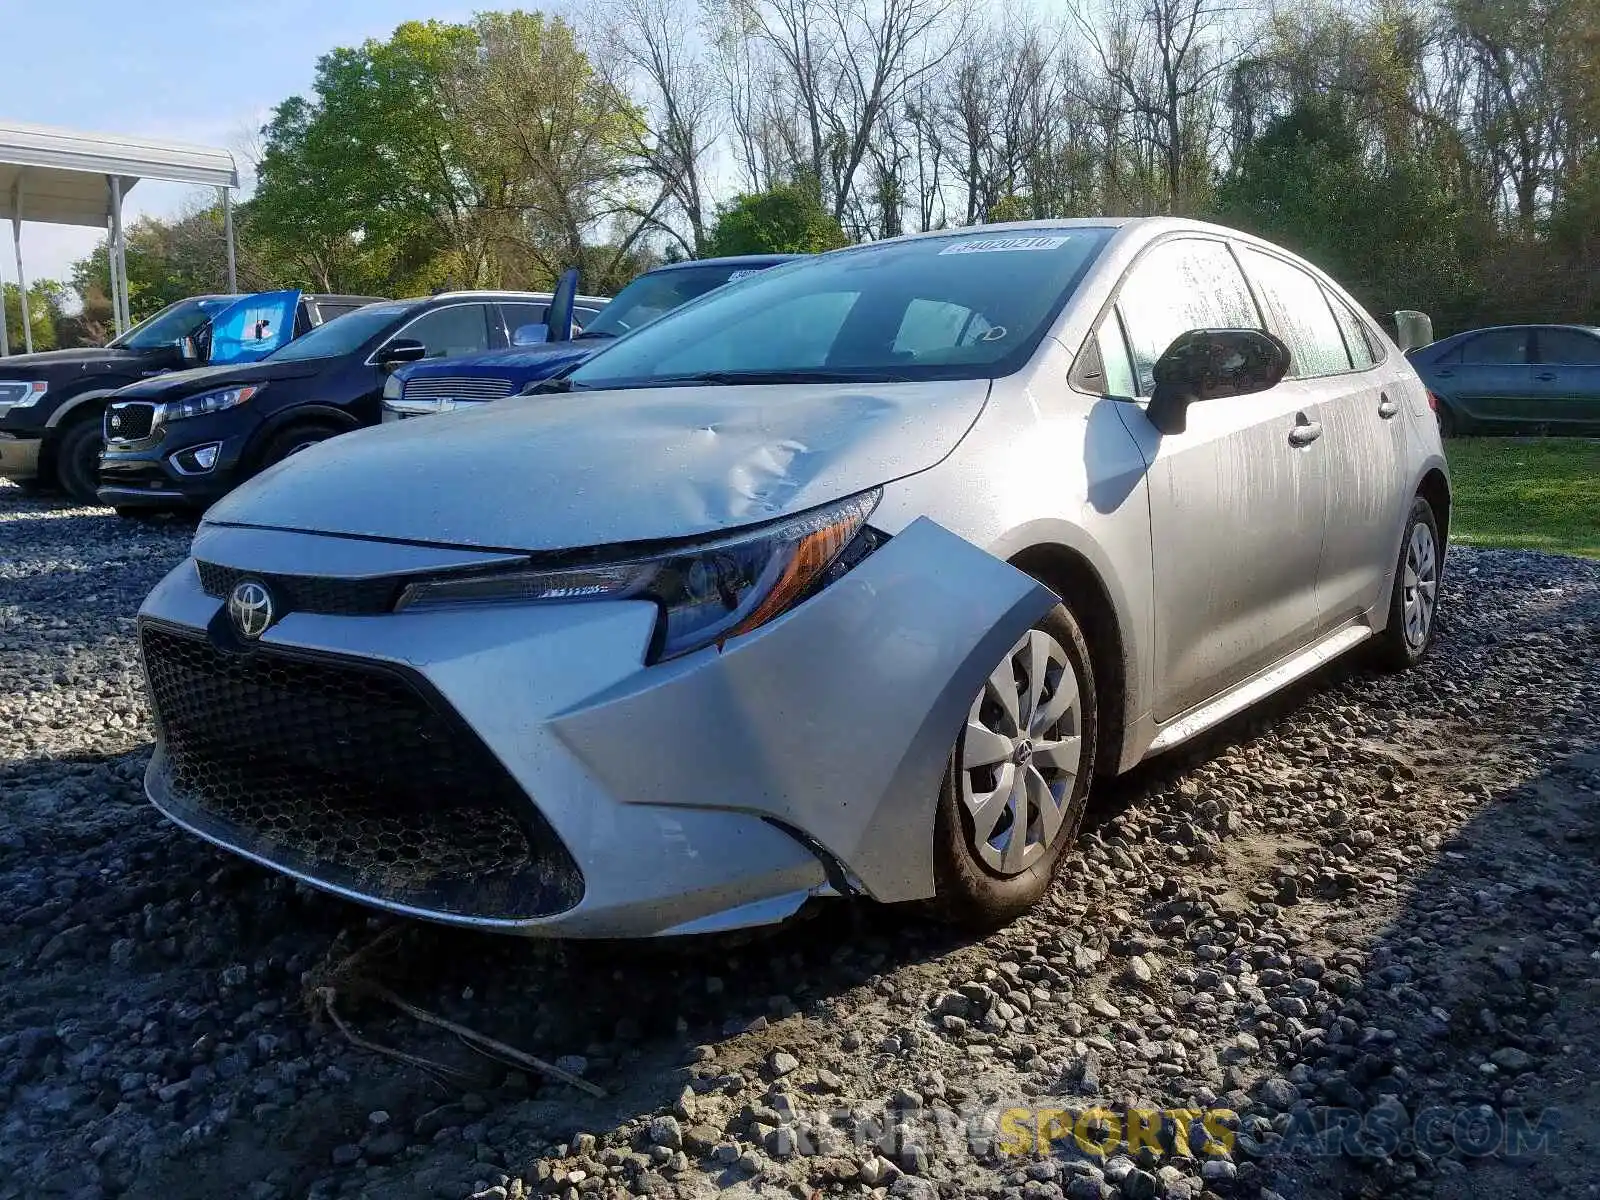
(707, 591)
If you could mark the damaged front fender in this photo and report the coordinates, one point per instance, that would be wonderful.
(837, 719)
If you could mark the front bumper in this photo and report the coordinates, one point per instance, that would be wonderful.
(19, 456)
(160, 471)
(718, 790)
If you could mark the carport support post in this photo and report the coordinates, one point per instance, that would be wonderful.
(5, 338)
(22, 276)
(227, 232)
(119, 247)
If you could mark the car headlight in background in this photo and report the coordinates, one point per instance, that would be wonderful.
(210, 402)
(708, 591)
(393, 386)
(21, 393)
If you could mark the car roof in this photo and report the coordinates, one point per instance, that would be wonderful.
(730, 260)
(503, 295)
(341, 298)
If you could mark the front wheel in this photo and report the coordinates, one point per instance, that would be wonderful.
(1018, 778)
(78, 460)
(294, 439)
(1414, 601)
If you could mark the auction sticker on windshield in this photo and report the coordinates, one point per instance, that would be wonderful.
(989, 245)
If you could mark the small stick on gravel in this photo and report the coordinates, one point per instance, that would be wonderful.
(440, 1073)
(488, 1045)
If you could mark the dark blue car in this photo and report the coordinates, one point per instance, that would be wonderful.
(1515, 379)
(433, 387)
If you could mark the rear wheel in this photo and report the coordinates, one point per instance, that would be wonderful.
(77, 459)
(1415, 599)
(1018, 779)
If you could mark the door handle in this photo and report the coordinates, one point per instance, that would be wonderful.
(1545, 376)
(1387, 408)
(1442, 371)
(1305, 432)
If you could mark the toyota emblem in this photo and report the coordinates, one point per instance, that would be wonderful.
(250, 608)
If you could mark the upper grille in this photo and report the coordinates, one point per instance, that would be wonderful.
(351, 773)
(308, 593)
(129, 421)
(456, 387)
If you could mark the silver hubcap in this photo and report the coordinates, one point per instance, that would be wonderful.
(1421, 586)
(1021, 754)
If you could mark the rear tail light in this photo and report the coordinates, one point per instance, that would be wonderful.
(1433, 401)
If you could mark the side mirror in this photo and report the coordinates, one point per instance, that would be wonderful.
(189, 351)
(1209, 364)
(401, 350)
(531, 335)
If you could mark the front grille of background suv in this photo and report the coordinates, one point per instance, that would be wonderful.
(129, 421)
(350, 773)
(456, 387)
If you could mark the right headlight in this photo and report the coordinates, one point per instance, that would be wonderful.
(210, 402)
(708, 592)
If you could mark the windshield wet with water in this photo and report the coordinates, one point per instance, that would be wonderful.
(970, 305)
(184, 318)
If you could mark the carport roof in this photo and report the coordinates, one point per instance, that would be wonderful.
(63, 174)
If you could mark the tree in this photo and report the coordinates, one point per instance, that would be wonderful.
(45, 310)
(787, 219)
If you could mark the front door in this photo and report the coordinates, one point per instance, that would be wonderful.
(1566, 379)
(1489, 378)
(1237, 501)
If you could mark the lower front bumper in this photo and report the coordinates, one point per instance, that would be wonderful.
(19, 457)
(716, 790)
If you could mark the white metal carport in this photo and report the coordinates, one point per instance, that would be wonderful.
(65, 178)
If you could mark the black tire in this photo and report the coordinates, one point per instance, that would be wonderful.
(969, 892)
(77, 459)
(1394, 649)
(294, 439)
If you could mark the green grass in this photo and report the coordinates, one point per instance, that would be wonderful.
(1526, 493)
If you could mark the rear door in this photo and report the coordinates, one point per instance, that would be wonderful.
(1488, 377)
(1566, 378)
(1363, 431)
(1237, 507)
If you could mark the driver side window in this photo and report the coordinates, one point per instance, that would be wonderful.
(1189, 283)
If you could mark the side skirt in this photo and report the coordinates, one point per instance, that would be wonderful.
(1258, 687)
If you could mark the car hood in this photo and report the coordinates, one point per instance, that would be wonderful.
(588, 469)
(56, 365)
(175, 384)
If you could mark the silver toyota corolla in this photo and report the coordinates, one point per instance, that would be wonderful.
(845, 579)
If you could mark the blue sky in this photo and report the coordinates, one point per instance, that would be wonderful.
(181, 70)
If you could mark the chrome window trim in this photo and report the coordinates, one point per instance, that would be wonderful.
(371, 361)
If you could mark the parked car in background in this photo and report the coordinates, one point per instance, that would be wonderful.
(846, 578)
(440, 387)
(1515, 379)
(51, 403)
(184, 439)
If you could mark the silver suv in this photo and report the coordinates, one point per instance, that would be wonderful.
(847, 578)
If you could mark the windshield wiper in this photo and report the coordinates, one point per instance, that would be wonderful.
(557, 383)
(597, 333)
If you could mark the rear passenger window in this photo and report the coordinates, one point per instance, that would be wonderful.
(1496, 348)
(1191, 283)
(1298, 312)
(1357, 340)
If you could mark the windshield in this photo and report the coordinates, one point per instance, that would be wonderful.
(342, 335)
(659, 292)
(184, 318)
(965, 306)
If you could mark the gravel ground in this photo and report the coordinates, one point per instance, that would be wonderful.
(1372, 907)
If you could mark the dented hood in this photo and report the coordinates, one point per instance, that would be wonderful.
(589, 469)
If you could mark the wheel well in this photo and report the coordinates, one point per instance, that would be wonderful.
(84, 413)
(1070, 576)
(295, 418)
(1436, 491)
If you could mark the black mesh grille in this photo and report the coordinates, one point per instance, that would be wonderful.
(129, 422)
(349, 773)
(308, 593)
